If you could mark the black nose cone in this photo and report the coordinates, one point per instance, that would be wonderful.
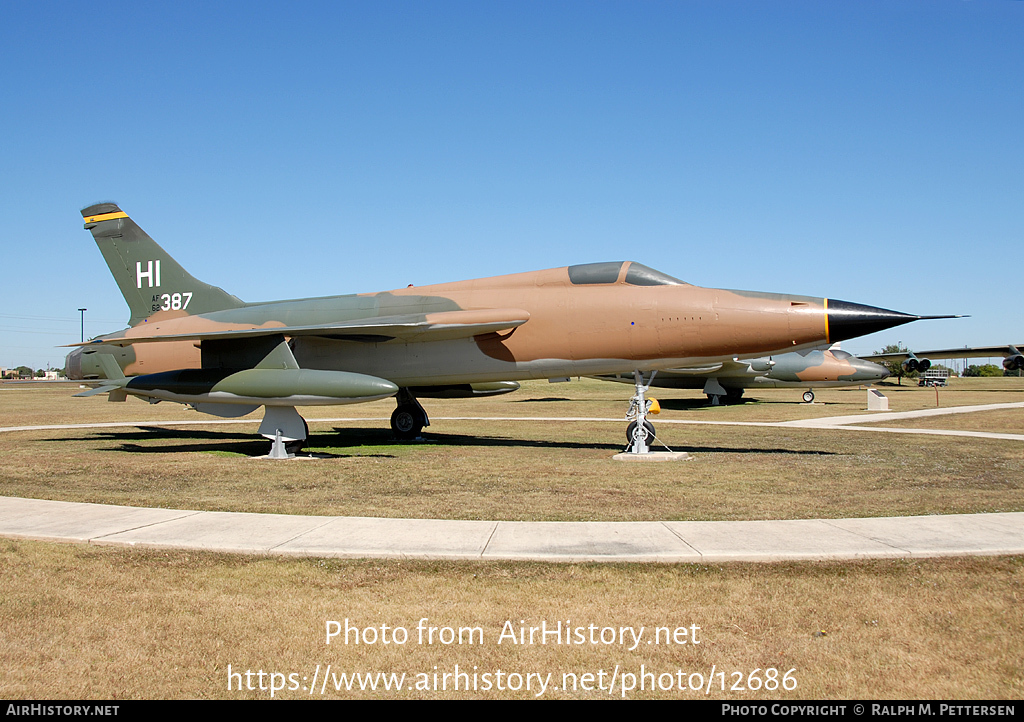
(849, 320)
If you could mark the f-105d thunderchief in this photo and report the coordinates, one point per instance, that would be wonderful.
(196, 344)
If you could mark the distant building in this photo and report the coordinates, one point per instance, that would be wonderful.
(51, 375)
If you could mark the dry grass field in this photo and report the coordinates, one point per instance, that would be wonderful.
(528, 469)
(90, 622)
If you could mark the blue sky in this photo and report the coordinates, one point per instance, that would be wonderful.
(866, 151)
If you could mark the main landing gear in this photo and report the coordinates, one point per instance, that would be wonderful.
(808, 396)
(409, 418)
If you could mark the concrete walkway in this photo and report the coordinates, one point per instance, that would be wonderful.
(654, 541)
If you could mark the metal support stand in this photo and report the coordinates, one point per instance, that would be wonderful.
(282, 424)
(714, 391)
(277, 448)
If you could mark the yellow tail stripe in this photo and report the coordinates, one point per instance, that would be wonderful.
(105, 217)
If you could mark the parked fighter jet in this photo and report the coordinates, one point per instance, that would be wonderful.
(193, 343)
(810, 369)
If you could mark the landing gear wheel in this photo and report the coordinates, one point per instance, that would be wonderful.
(648, 429)
(407, 422)
(808, 397)
(733, 396)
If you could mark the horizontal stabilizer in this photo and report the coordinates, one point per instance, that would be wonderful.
(114, 382)
(103, 389)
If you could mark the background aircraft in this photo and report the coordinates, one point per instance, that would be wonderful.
(598, 318)
(921, 360)
(810, 369)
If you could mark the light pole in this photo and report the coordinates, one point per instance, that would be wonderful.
(82, 311)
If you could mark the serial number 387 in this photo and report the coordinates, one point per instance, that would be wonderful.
(172, 301)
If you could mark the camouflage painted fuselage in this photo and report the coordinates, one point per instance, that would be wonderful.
(574, 330)
(571, 329)
(601, 318)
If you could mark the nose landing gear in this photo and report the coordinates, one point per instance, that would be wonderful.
(640, 432)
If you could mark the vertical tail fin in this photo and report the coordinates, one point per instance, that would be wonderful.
(150, 280)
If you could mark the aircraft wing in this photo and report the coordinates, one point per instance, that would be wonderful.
(947, 353)
(441, 326)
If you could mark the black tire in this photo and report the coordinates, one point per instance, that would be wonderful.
(808, 397)
(407, 422)
(632, 428)
(734, 396)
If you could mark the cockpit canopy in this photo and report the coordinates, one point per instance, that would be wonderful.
(637, 274)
